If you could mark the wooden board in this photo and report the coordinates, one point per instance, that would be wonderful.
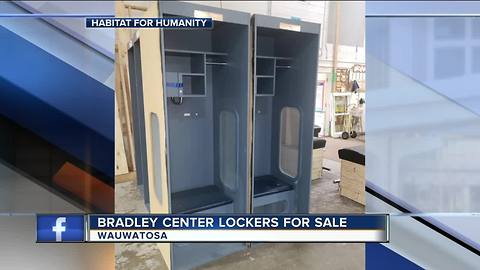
(123, 100)
(355, 195)
(352, 181)
(122, 87)
(121, 166)
(131, 176)
(353, 170)
(317, 163)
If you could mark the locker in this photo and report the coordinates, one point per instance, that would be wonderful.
(207, 95)
(285, 70)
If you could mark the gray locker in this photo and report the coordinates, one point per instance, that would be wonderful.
(207, 75)
(285, 74)
(209, 104)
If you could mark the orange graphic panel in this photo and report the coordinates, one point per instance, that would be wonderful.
(89, 188)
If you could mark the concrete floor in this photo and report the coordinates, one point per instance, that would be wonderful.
(140, 256)
(294, 256)
(325, 198)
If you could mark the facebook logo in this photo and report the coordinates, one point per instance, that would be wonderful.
(60, 228)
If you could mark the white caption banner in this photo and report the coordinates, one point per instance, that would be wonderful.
(237, 236)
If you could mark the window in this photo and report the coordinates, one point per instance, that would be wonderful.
(449, 62)
(449, 28)
(476, 59)
(289, 141)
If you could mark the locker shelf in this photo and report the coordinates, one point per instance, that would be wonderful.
(186, 71)
(265, 85)
(185, 62)
(216, 63)
(265, 67)
(193, 84)
(274, 57)
(216, 59)
(194, 52)
(266, 74)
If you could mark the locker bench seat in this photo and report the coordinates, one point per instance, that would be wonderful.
(269, 184)
(319, 143)
(353, 154)
(316, 130)
(198, 199)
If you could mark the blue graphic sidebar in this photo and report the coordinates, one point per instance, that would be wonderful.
(379, 257)
(57, 102)
(60, 228)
